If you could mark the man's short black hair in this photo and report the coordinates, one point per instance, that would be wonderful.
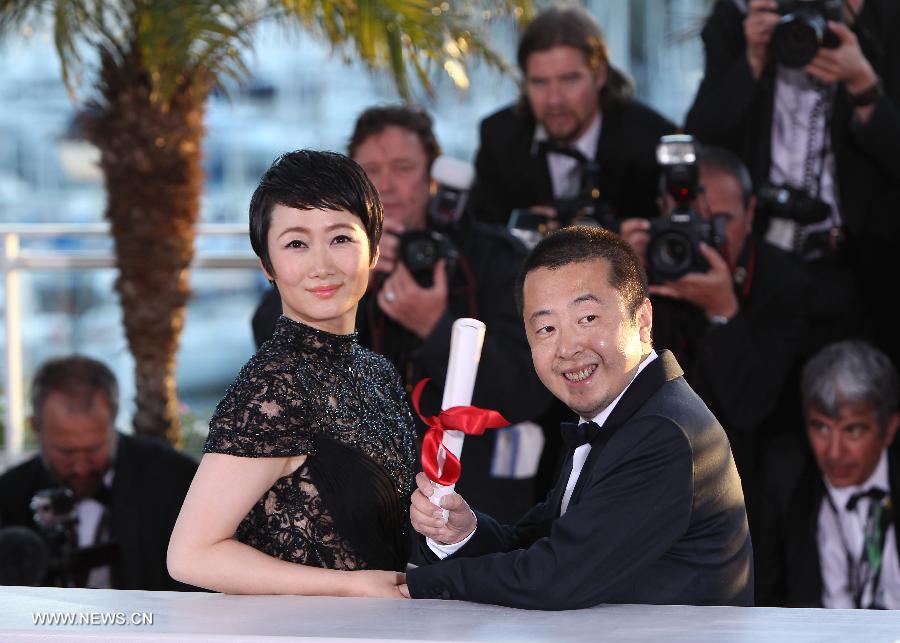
(578, 244)
(311, 180)
(719, 160)
(411, 117)
(574, 27)
(77, 377)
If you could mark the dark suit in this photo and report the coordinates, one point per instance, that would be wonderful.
(510, 173)
(789, 573)
(734, 110)
(741, 368)
(150, 482)
(657, 516)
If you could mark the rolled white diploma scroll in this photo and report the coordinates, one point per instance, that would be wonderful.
(465, 352)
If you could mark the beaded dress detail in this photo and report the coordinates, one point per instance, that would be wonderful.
(309, 392)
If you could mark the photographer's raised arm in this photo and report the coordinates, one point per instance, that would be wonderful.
(729, 86)
(875, 108)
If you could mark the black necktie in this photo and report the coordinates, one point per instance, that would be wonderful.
(874, 493)
(574, 434)
(868, 569)
(102, 495)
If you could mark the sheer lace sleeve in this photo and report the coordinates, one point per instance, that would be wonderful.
(261, 415)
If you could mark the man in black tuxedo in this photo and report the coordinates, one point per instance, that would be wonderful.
(827, 527)
(574, 103)
(649, 508)
(127, 490)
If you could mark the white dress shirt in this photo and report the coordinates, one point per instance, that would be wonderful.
(89, 513)
(564, 175)
(579, 456)
(840, 530)
(799, 130)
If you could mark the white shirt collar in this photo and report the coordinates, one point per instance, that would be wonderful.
(601, 417)
(586, 143)
(878, 479)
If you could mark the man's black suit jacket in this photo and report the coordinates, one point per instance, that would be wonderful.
(657, 516)
(150, 482)
(510, 173)
(788, 570)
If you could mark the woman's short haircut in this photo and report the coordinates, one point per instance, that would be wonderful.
(579, 244)
(312, 180)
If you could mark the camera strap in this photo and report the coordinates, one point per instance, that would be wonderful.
(813, 167)
(746, 269)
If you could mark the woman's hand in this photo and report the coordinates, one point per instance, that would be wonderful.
(368, 583)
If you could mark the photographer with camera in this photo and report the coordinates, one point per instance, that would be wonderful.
(575, 138)
(730, 306)
(435, 266)
(103, 502)
(410, 308)
(807, 93)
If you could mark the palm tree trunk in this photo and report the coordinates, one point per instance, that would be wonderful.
(151, 160)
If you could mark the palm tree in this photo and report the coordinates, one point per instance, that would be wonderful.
(153, 64)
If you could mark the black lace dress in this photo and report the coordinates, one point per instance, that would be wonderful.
(308, 392)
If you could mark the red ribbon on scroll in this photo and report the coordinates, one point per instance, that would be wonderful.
(471, 420)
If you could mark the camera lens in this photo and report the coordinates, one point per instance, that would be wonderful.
(797, 38)
(421, 254)
(671, 255)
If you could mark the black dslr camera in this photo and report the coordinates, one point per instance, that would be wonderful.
(421, 249)
(785, 202)
(54, 515)
(803, 30)
(57, 523)
(586, 208)
(673, 249)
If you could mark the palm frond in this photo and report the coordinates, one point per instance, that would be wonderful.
(394, 35)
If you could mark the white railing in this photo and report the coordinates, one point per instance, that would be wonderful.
(15, 260)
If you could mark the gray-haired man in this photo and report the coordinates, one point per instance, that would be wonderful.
(828, 529)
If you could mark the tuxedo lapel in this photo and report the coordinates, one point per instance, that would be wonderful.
(611, 139)
(894, 483)
(661, 370)
(802, 564)
(555, 502)
(610, 146)
(125, 519)
(538, 175)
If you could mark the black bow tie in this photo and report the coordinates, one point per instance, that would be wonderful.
(574, 434)
(874, 493)
(103, 495)
(555, 147)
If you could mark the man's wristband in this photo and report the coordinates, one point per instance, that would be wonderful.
(867, 96)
